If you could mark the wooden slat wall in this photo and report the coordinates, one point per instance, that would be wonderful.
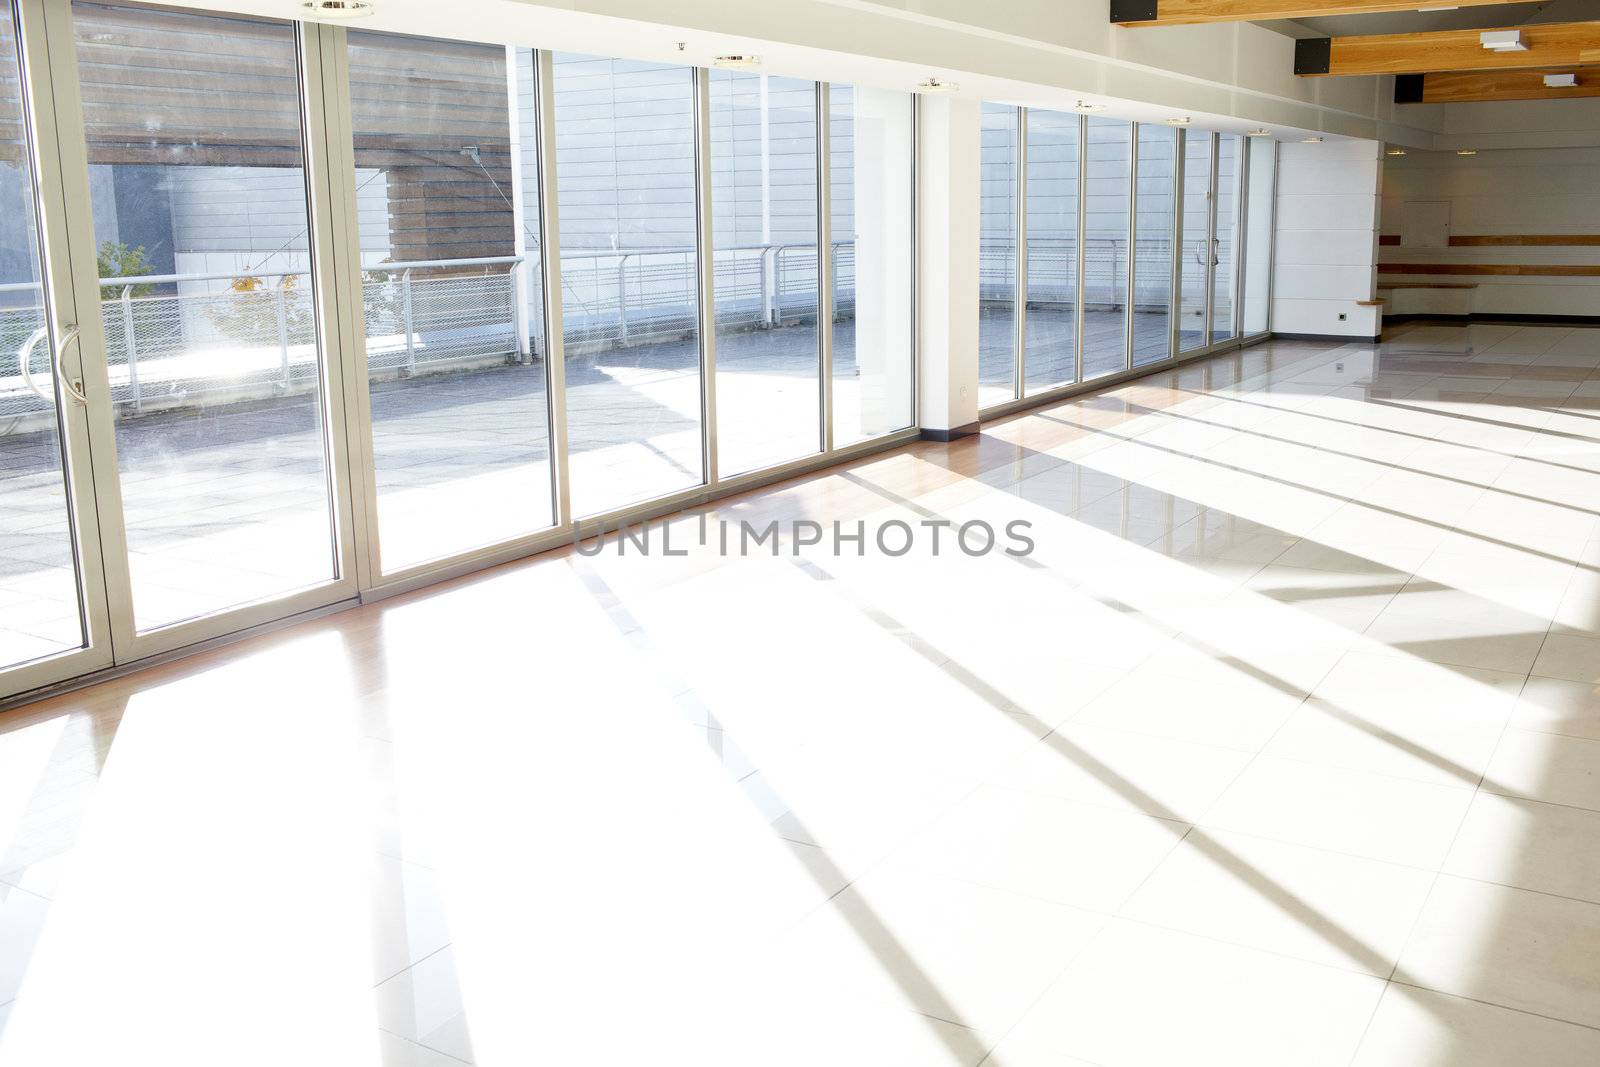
(1524, 270)
(1550, 240)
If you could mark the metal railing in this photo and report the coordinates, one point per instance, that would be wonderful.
(177, 340)
(1053, 267)
(183, 339)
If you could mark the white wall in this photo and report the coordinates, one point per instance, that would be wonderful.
(1327, 238)
(1497, 192)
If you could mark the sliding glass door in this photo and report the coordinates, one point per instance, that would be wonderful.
(53, 616)
(288, 314)
(1107, 246)
(447, 203)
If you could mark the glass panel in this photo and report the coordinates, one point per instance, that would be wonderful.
(1195, 268)
(625, 134)
(1152, 280)
(1256, 290)
(870, 133)
(1107, 153)
(39, 609)
(1050, 350)
(997, 257)
(199, 205)
(1223, 278)
(764, 228)
(450, 261)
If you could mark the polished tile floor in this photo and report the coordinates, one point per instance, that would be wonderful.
(1281, 747)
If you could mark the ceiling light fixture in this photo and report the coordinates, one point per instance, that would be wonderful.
(1394, 151)
(1179, 121)
(1502, 40)
(934, 85)
(1310, 140)
(1560, 81)
(737, 62)
(1262, 132)
(337, 9)
(1085, 106)
(1466, 151)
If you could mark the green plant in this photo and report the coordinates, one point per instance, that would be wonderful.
(117, 260)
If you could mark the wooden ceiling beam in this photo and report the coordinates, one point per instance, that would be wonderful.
(1461, 87)
(1549, 46)
(1135, 13)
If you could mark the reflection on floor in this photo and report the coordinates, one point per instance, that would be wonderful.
(1282, 747)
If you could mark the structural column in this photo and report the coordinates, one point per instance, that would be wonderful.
(1325, 264)
(948, 141)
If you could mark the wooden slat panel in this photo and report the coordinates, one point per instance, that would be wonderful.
(1524, 240)
(1190, 12)
(1459, 87)
(1425, 285)
(1568, 240)
(1554, 45)
(1524, 270)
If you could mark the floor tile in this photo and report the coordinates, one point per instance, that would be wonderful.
(1139, 996)
(1549, 767)
(1509, 947)
(1372, 815)
(1548, 848)
(1123, 769)
(1567, 656)
(1419, 1028)
(1239, 712)
(1557, 706)
(1078, 854)
(1323, 907)
(957, 951)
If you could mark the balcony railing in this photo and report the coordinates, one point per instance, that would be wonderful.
(176, 340)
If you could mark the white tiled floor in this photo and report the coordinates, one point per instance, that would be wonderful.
(1282, 748)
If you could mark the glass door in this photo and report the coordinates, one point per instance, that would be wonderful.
(1195, 253)
(53, 619)
(1224, 239)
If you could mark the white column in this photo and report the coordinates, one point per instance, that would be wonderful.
(1326, 257)
(947, 264)
(883, 239)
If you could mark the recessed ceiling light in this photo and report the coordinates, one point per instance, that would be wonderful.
(1466, 151)
(337, 9)
(1560, 81)
(1310, 140)
(1181, 120)
(934, 85)
(1394, 151)
(1262, 132)
(737, 62)
(1502, 40)
(1085, 106)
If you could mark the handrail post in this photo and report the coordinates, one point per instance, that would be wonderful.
(283, 327)
(130, 342)
(622, 300)
(769, 302)
(521, 350)
(405, 304)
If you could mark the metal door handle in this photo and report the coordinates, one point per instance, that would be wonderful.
(24, 361)
(72, 389)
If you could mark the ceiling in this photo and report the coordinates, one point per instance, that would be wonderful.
(1466, 18)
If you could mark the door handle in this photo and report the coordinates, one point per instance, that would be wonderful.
(72, 387)
(25, 360)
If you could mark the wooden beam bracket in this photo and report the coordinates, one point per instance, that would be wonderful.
(1312, 55)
